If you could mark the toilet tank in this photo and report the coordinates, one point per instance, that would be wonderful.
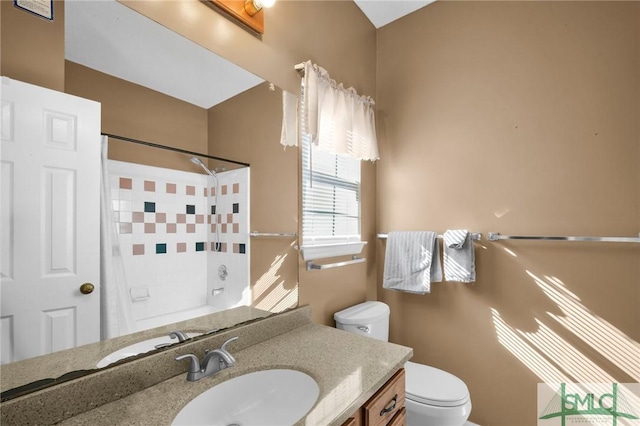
(367, 319)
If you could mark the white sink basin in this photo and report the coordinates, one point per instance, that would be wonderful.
(263, 398)
(139, 348)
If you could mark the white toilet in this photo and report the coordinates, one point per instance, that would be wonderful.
(433, 397)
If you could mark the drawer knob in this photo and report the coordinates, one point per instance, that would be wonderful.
(390, 406)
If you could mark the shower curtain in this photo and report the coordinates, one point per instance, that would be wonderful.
(116, 317)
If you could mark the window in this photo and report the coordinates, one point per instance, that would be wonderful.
(341, 121)
(330, 203)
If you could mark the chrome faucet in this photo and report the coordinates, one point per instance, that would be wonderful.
(177, 334)
(180, 335)
(214, 361)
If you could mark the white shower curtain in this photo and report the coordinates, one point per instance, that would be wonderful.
(116, 315)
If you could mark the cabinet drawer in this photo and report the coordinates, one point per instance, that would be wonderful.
(400, 418)
(384, 405)
(350, 422)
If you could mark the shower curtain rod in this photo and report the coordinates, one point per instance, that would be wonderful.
(170, 148)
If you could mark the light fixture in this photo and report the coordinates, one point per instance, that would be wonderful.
(247, 12)
(254, 6)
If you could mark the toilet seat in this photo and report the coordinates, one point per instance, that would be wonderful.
(431, 386)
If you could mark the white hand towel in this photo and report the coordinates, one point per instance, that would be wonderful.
(455, 238)
(289, 134)
(412, 261)
(459, 256)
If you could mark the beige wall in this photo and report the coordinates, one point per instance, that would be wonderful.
(335, 35)
(32, 47)
(136, 112)
(519, 118)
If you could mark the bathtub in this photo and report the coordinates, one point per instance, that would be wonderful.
(160, 320)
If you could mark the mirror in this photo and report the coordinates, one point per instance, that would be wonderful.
(131, 114)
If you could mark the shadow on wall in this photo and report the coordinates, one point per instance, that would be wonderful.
(546, 325)
(271, 291)
(568, 344)
(553, 358)
(552, 341)
(502, 273)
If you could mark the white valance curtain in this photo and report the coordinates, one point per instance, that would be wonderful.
(338, 120)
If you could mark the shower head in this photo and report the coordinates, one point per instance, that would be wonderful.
(196, 160)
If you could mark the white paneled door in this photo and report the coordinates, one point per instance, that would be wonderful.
(50, 221)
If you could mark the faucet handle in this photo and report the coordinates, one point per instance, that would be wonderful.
(224, 345)
(178, 334)
(194, 366)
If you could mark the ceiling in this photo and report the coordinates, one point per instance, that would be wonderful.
(112, 38)
(382, 12)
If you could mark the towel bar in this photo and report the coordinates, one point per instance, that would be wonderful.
(311, 266)
(495, 236)
(272, 234)
(475, 236)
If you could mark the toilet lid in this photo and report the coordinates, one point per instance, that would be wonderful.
(429, 385)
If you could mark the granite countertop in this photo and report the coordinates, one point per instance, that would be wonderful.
(86, 357)
(349, 369)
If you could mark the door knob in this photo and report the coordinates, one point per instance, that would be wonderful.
(86, 288)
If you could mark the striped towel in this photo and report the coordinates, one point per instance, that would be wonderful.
(455, 238)
(459, 256)
(412, 261)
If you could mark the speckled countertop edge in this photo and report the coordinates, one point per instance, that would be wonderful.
(342, 363)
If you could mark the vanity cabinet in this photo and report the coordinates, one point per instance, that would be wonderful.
(385, 407)
(400, 419)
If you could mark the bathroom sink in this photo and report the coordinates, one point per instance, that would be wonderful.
(263, 398)
(139, 348)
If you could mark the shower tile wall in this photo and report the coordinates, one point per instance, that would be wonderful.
(166, 229)
(229, 225)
